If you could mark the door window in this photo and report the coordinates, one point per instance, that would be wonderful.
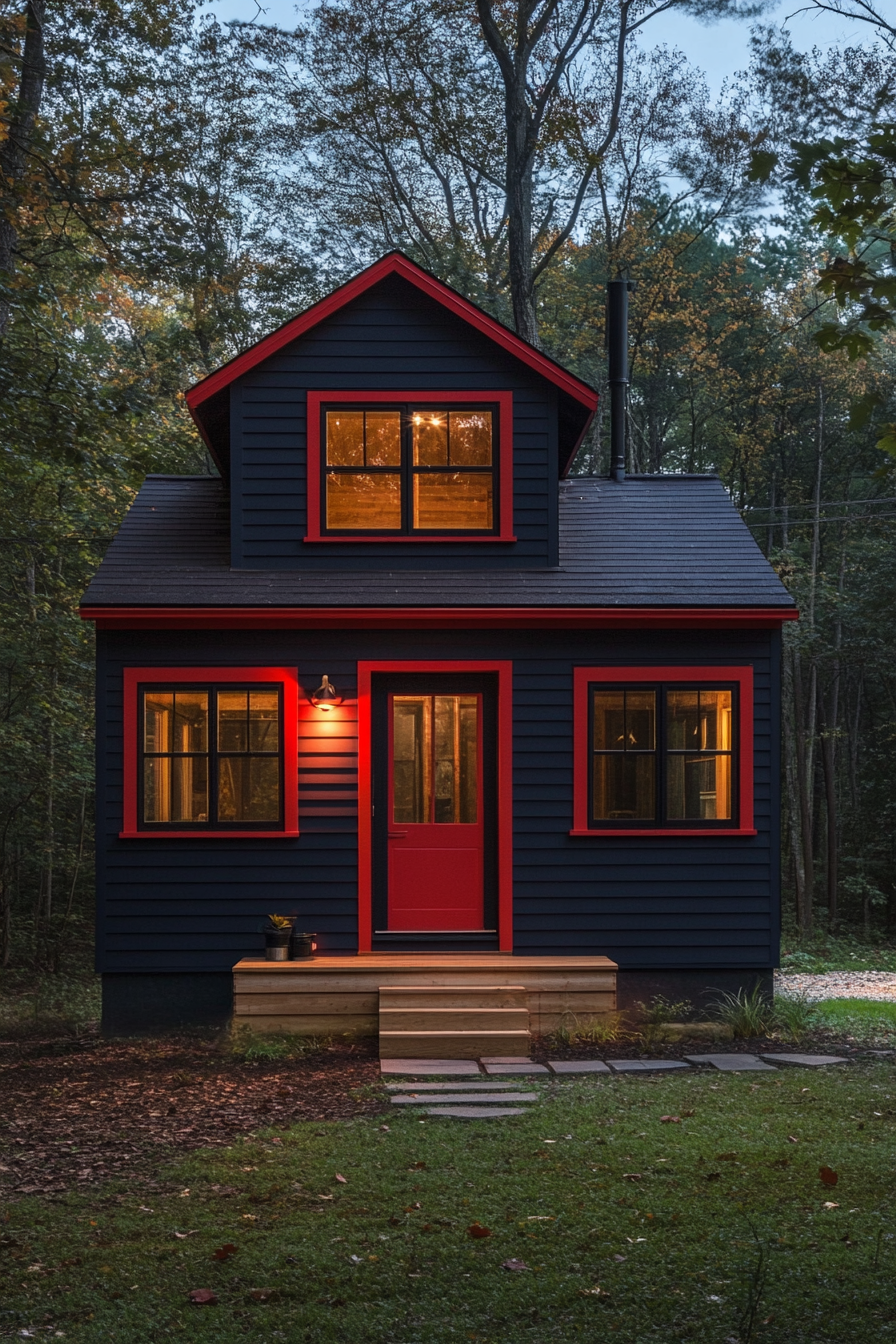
(435, 759)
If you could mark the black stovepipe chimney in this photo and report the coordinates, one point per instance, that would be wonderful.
(617, 352)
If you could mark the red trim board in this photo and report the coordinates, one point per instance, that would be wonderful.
(504, 671)
(504, 464)
(437, 618)
(585, 676)
(288, 677)
(394, 263)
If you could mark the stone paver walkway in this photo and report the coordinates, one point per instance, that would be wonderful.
(732, 1063)
(492, 1100)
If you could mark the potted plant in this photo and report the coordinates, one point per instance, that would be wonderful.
(303, 945)
(277, 937)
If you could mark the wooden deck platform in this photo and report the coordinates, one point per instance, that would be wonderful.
(331, 995)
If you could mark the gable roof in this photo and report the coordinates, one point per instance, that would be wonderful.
(208, 400)
(648, 542)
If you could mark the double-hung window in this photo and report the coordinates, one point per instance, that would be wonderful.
(210, 750)
(663, 750)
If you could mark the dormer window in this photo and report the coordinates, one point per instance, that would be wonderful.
(410, 469)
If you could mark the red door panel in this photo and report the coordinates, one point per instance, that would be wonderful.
(436, 831)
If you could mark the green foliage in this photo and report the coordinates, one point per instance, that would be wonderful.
(749, 1013)
(795, 1017)
(726, 1215)
(660, 1010)
(261, 1045)
(871, 1022)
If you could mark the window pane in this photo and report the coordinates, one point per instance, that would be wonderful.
(430, 437)
(624, 787)
(411, 757)
(175, 788)
(158, 716)
(248, 788)
(468, 810)
(715, 720)
(609, 720)
(640, 720)
(453, 500)
(363, 502)
(232, 714)
(471, 438)
(683, 720)
(190, 721)
(698, 788)
(345, 438)
(264, 715)
(383, 439)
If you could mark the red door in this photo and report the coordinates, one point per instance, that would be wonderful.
(435, 832)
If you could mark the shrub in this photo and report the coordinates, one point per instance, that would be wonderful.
(795, 1017)
(747, 1014)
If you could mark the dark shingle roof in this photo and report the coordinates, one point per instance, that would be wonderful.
(651, 541)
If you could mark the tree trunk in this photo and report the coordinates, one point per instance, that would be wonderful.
(15, 149)
(804, 782)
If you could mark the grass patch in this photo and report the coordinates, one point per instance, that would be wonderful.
(872, 1021)
(633, 1228)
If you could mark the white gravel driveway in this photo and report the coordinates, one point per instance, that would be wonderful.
(838, 985)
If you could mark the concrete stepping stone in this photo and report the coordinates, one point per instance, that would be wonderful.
(476, 1112)
(644, 1065)
(813, 1061)
(437, 1067)
(447, 1087)
(561, 1066)
(504, 1059)
(463, 1099)
(733, 1063)
(521, 1067)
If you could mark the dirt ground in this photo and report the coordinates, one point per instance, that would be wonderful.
(75, 1113)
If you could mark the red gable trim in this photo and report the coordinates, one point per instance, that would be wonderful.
(437, 618)
(395, 263)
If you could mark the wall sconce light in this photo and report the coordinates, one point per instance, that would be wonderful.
(326, 695)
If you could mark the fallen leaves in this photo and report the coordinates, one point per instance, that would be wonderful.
(476, 1230)
(341, 1179)
(600, 1293)
(670, 1119)
(515, 1265)
(203, 1297)
(828, 1205)
(261, 1294)
(224, 1252)
(828, 1176)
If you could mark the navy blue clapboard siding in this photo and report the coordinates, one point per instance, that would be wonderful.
(392, 337)
(649, 903)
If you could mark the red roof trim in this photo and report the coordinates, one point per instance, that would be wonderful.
(395, 263)
(436, 618)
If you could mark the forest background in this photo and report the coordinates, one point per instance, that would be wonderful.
(172, 187)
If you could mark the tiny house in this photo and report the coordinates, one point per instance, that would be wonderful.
(483, 727)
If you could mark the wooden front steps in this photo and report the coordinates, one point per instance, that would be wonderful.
(453, 1021)
(329, 995)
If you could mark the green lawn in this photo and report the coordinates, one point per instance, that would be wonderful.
(713, 1229)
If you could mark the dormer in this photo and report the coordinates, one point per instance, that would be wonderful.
(394, 425)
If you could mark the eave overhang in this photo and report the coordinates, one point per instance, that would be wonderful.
(437, 618)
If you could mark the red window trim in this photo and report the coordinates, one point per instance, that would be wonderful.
(438, 618)
(504, 672)
(504, 463)
(288, 677)
(585, 676)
